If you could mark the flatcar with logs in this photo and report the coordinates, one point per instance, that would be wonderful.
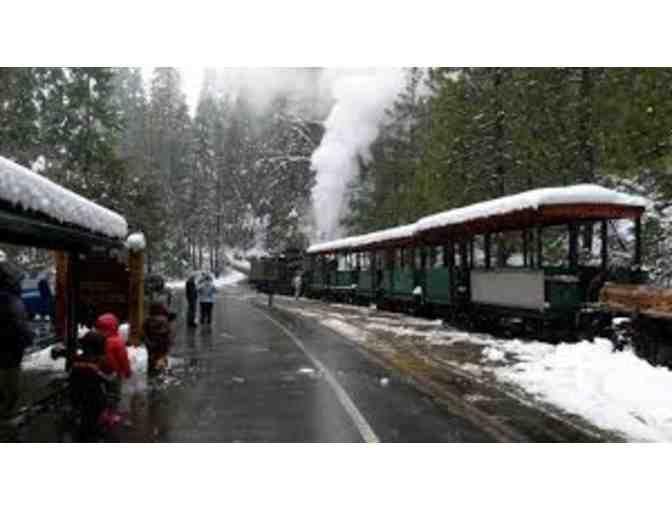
(552, 263)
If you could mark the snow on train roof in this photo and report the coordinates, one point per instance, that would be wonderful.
(578, 194)
(377, 237)
(22, 187)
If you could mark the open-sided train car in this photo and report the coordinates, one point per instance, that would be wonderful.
(528, 259)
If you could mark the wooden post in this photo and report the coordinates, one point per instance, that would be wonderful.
(72, 306)
(61, 304)
(136, 295)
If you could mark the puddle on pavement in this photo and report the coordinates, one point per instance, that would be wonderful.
(309, 372)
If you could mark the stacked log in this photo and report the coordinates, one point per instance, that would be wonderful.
(637, 299)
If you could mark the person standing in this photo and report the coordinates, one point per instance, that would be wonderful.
(297, 282)
(206, 297)
(192, 298)
(116, 356)
(158, 336)
(88, 386)
(15, 336)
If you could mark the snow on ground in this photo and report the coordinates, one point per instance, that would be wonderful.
(231, 278)
(41, 360)
(613, 390)
(345, 329)
(242, 266)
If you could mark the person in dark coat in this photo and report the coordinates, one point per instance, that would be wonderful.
(158, 337)
(15, 336)
(192, 299)
(88, 386)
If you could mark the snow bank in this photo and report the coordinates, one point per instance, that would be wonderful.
(345, 329)
(614, 390)
(242, 266)
(230, 279)
(41, 360)
(176, 284)
(22, 187)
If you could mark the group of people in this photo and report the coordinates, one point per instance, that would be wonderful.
(102, 363)
(200, 290)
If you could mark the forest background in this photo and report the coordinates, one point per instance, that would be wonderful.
(237, 174)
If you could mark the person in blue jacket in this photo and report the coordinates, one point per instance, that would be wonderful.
(206, 296)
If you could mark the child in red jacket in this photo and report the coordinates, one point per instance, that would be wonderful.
(116, 357)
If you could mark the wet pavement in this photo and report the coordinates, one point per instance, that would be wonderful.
(257, 375)
(245, 378)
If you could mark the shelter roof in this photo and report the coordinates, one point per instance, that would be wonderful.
(38, 212)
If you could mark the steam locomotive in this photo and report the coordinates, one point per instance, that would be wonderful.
(552, 263)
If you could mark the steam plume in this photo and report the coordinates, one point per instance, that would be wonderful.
(361, 97)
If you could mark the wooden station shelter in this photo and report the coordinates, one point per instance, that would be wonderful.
(95, 272)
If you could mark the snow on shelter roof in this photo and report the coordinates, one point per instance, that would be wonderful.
(33, 192)
(581, 194)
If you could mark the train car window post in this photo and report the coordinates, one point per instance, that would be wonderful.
(487, 244)
(464, 254)
(472, 251)
(506, 245)
(573, 246)
(540, 247)
(604, 249)
(638, 243)
(458, 255)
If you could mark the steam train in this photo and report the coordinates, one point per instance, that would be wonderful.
(552, 263)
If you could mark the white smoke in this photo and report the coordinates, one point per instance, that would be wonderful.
(361, 97)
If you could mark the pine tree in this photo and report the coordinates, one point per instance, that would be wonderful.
(19, 115)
